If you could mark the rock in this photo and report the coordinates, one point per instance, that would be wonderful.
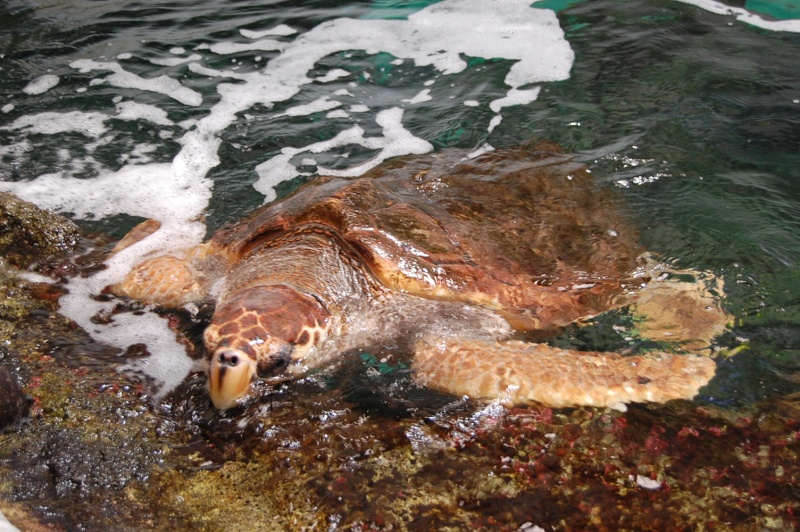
(13, 404)
(30, 235)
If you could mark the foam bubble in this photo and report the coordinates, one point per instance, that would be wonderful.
(41, 84)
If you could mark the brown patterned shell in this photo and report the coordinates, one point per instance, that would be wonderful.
(523, 231)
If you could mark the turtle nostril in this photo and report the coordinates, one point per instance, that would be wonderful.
(228, 359)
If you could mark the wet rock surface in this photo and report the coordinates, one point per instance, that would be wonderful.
(30, 235)
(361, 447)
(13, 403)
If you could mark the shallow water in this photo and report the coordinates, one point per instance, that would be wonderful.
(192, 111)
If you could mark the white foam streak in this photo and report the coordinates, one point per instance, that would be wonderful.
(155, 191)
(423, 96)
(265, 45)
(514, 97)
(214, 73)
(49, 123)
(173, 61)
(332, 75)
(485, 148)
(317, 106)
(281, 29)
(143, 111)
(127, 80)
(792, 25)
(395, 141)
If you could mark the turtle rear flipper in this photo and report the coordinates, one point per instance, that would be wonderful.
(519, 373)
(687, 314)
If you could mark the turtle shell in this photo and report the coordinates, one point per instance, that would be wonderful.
(526, 231)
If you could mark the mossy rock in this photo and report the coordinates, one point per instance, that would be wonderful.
(30, 235)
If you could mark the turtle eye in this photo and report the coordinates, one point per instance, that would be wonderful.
(276, 362)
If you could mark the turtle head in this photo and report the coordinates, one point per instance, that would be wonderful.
(257, 333)
(230, 372)
(239, 359)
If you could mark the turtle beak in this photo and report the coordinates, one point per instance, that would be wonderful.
(229, 376)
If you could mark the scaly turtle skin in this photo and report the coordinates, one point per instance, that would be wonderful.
(452, 257)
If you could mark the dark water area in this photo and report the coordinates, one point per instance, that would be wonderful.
(692, 118)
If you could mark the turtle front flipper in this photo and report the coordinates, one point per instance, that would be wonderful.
(520, 373)
(167, 281)
(170, 280)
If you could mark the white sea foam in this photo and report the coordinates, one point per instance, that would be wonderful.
(41, 84)
(173, 61)
(317, 106)
(264, 45)
(485, 148)
(49, 123)
(142, 111)
(281, 29)
(423, 96)
(333, 75)
(127, 80)
(514, 97)
(177, 192)
(742, 14)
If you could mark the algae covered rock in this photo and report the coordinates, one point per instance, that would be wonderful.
(30, 235)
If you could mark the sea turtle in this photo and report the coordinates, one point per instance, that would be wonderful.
(463, 261)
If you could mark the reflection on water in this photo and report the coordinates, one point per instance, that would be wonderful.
(195, 113)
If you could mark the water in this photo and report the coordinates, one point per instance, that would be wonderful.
(203, 111)
(194, 113)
